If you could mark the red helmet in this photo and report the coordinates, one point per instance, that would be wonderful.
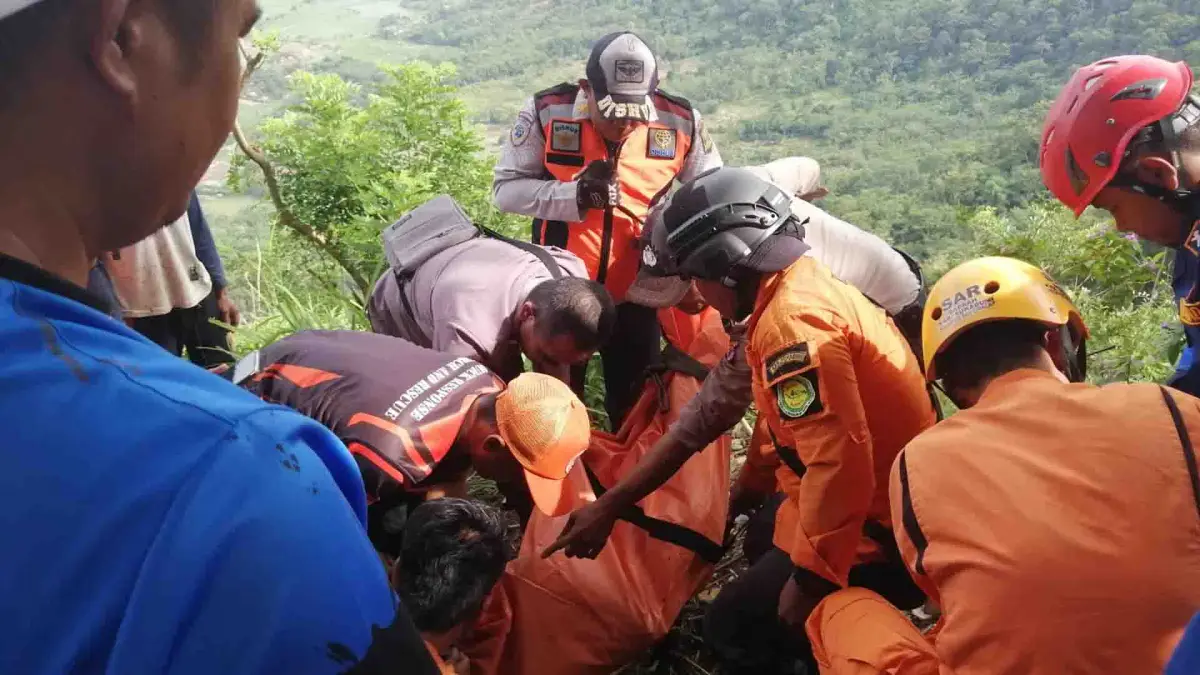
(1097, 114)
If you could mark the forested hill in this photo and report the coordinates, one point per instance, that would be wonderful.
(919, 110)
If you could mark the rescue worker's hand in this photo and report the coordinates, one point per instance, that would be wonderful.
(598, 186)
(586, 532)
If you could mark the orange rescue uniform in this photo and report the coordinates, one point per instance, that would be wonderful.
(842, 394)
(1058, 526)
(647, 163)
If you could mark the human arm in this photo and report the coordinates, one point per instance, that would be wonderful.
(812, 393)
(520, 183)
(703, 154)
(717, 407)
(206, 252)
(264, 566)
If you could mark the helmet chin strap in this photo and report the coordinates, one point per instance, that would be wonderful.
(1074, 354)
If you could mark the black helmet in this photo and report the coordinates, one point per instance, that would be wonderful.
(726, 218)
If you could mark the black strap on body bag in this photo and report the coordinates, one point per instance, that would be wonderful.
(664, 530)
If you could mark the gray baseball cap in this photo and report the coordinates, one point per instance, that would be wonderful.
(623, 73)
(10, 7)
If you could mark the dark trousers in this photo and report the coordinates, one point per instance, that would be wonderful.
(633, 347)
(742, 625)
(190, 330)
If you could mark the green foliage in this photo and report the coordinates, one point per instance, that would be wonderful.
(1122, 286)
(350, 159)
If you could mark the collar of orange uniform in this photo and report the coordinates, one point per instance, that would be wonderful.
(766, 292)
(1001, 386)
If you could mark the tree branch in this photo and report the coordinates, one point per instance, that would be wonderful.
(286, 217)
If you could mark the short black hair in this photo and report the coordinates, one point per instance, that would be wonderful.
(23, 34)
(580, 308)
(989, 350)
(453, 554)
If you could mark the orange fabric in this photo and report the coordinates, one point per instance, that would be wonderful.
(300, 376)
(856, 632)
(443, 668)
(1060, 527)
(809, 327)
(641, 177)
(572, 616)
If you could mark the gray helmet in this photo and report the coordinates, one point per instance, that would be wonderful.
(727, 218)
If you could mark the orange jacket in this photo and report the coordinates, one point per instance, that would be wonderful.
(841, 389)
(1057, 524)
(647, 162)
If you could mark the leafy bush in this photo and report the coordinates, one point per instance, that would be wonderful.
(1122, 286)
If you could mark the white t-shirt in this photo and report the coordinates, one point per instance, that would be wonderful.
(159, 273)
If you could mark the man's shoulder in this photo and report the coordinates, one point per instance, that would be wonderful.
(62, 378)
(674, 104)
(563, 92)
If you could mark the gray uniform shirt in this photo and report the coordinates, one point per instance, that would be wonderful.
(855, 256)
(520, 184)
(465, 300)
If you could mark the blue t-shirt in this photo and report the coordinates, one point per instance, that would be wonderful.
(155, 518)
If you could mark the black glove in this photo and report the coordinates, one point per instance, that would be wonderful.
(598, 186)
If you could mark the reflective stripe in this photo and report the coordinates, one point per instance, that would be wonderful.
(1189, 452)
(911, 527)
(674, 121)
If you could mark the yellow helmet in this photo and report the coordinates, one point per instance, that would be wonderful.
(991, 289)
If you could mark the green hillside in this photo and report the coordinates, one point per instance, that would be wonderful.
(925, 115)
(918, 109)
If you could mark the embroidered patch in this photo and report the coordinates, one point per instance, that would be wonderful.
(565, 136)
(1192, 243)
(662, 144)
(630, 71)
(799, 397)
(790, 361)
(706, 141)
(520, 130)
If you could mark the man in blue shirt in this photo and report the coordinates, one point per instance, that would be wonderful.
(153, 517)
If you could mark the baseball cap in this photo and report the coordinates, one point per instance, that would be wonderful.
(545, 426)
(657, 284)
(10, 7)
(623, 73)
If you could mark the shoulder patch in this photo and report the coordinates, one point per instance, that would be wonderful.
(791, 361)
(520, 131)
(799, 396)
(1189, 312)
(661, 143)
(566, 136)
